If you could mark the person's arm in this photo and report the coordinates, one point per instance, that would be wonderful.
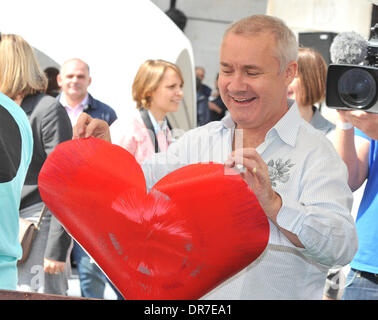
(56, 126)
(53, 266)
(316, 216)
(215, 108)
(354, 150)
(124, 133)
(365, 121)
(257, 177)
(202, 111)
(58, 244)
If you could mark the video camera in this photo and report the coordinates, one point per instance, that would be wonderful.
(355, 87)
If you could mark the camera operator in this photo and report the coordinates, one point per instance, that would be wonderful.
(355, 140)
(359, 150)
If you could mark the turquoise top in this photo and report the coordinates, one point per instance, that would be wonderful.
(16, 149)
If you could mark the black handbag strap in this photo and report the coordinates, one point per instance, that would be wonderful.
(43, 211)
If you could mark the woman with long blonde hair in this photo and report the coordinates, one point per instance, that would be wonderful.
(22, 80)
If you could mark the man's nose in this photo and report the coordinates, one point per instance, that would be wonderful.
(237, 83)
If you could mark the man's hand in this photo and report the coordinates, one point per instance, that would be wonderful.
(87, 126)
(52, 266)
(256, 175)
(365, 121)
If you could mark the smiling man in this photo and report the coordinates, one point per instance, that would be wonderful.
(294, 171)
(254, 93)
(74, 80)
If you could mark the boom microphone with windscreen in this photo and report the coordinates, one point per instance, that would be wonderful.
(352, 78)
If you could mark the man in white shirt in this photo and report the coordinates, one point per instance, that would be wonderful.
(294, 171)
(74, 79)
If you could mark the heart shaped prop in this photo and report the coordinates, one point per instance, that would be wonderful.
(195, 228)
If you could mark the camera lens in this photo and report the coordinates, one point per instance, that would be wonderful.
(357, 88)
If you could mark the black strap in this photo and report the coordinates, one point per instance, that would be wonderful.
(169, 125)
(44, 209)
(147, 122)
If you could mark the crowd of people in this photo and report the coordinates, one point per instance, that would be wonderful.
(302, 167)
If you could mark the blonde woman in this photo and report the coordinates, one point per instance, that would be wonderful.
(22, 80)
(157, 90)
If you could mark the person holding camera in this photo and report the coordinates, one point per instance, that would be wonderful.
(356, 141)
(351, 90)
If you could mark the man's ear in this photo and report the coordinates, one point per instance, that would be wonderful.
(90, 81)
(290, 72)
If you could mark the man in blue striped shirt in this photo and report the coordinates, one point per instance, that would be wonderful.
(293, 169)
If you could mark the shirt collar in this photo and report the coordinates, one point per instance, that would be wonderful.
(286, 128)
(227, 122)
(162, 125)
(83, 103)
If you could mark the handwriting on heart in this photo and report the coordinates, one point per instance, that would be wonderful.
(195, 228)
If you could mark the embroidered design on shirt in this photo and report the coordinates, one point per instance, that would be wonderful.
(279, 171)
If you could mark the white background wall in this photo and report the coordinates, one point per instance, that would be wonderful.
(324, 15)
(114, 37)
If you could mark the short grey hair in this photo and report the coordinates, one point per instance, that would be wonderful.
(287, 45)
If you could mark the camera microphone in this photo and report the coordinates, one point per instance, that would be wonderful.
(352, 78)
(349, 48)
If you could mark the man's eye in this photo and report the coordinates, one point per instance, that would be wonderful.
(253, 74)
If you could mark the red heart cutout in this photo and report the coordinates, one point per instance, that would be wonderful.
(196, 227)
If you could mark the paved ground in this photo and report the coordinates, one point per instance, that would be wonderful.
(74, 287)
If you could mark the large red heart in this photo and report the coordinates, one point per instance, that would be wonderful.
(197, 226)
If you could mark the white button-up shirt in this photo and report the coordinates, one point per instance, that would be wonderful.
(73, 111)
(306, 171)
